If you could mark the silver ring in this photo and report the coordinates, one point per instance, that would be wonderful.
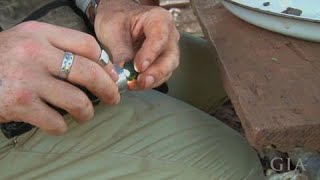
(104, 58)
(66, 65)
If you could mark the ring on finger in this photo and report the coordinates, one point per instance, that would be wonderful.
(104, 59)
(66, 65)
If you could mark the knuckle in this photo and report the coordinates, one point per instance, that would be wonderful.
(162, 34)
(155, 49)
(161, 74)
(90, 46)
(161, 11)
(22, 75)
(27, 48)
(80, 104)
(30, 26)
(122, 53)
(119, 13)
(89, 39)
(93, 71)
(112, 96)
(21, 97)
(162, 37)
(163, 14)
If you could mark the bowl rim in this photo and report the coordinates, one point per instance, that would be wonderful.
(273, 13)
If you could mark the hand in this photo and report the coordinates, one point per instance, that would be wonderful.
(121, 24)
(30, 61)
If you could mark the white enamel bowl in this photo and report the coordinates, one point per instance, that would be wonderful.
(297, 18)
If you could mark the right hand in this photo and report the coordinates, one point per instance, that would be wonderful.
(30, 59)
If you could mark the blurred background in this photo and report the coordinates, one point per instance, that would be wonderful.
(184, 18)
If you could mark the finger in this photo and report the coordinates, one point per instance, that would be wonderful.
(87, 74)
(109, 67)
(161, 69)
(163, 80)
(139, 86)
(71, 40)
(67, 97)
(157, 31)
(117, 39)
(41, 115)
(76, 42)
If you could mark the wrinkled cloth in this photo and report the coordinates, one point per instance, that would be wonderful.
(148, 136)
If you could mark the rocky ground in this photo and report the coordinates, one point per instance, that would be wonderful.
(186, 21)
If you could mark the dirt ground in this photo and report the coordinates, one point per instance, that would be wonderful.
(186, 21)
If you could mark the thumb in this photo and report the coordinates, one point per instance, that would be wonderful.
(117, 40)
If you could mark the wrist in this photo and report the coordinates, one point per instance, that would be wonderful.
(92, 8)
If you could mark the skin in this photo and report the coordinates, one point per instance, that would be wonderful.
(146, 34)
(31, 55)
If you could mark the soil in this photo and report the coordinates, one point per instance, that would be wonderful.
(186, 21)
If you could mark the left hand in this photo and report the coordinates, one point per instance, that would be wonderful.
(122, 24)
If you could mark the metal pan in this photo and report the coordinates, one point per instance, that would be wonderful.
(297, 18)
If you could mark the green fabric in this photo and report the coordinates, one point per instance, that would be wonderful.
(197, 80)
(148, 136)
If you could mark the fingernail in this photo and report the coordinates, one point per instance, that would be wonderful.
(139, 82)
(139, 78)
(135, 67)
(117, 100)
(145, 65)
(114, 75)
(149, 80)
